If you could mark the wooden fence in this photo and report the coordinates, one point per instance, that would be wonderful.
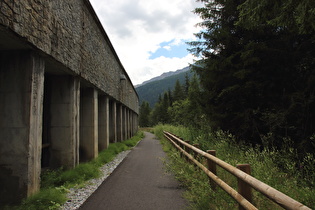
(242, 172)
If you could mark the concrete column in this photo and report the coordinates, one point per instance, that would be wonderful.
(128, 124)
(21, 106)
(103, 123)
(119, 123)
(112, 122)
(131, 123)
(125, 136)
(63, 130)
(122, 123)
(88, 124)
(135, 123)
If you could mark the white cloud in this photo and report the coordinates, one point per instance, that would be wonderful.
(176, 42)
(136, 28)
(167, 47)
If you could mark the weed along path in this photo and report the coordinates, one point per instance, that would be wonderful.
(139, 182)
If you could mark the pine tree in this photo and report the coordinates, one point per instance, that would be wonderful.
(294, 23)
(159, 113)
(170, 96)
(258, 77)
(178, 93)
(186, 84)
(296, 16)
(144, 114)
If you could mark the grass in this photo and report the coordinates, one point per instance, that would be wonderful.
(270, 166)
(55, 183)
(50, 198)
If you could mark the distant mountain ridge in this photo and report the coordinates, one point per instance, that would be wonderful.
(164, 75)
(151, 90)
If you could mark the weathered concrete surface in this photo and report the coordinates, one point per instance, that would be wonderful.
(119, 122)
(112, 122)
(88, 124)
(21, 97)
(103, 122)
(139, 183)
(63, 120)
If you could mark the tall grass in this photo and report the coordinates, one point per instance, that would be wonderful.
(274, 167)
(55, 183)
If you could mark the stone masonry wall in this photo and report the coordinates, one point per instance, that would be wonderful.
(70, 32)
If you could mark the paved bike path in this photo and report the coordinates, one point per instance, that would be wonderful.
(139, 182)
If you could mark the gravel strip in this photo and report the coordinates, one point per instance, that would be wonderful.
(76, 197)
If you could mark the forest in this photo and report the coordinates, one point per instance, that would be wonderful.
(254, 76)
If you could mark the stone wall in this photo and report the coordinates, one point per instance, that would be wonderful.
(70, 32)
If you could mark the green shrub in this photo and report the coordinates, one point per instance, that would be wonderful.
(51, 198)
(79, 174)
(104, 157)
(50, 178)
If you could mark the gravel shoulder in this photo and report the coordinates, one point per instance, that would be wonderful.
(76, 197)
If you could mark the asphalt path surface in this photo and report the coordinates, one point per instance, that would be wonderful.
(139, 182)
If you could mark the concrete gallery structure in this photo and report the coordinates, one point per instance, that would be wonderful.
(64, 94)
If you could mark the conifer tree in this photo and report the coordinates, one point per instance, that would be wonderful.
(178, 93)
(186, 84)
(144, 114)
(257, 68)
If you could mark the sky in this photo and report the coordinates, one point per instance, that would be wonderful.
(149, 36)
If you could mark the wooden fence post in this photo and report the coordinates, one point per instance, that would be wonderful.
(243, 188)
(187, 149)
(213, 168)
(181, 146)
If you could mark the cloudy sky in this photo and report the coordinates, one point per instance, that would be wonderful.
(149, 36)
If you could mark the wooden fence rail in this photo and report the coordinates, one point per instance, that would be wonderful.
(271, 193)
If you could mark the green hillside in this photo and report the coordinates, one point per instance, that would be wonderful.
(150, 92)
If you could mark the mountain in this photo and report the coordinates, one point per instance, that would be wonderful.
(164, 75)
(151, 90)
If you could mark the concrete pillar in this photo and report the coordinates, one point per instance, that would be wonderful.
(63, 126)
(128, 124)
(119, 123)
(131, 123)
(21, 105)
(103, 123)
(122, 123)
(136, 122)
(88, 124)
(125, 136)
(112, 122)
